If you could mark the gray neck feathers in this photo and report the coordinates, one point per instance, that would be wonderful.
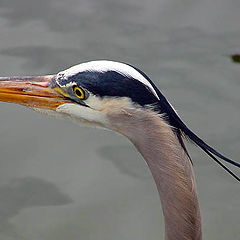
(170, 167)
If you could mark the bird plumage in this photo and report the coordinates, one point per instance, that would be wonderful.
(106, 79)
(122, 98)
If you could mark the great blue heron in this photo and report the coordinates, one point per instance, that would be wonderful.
(120, 97)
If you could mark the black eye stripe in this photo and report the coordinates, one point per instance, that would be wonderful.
(114, 84)
(111, 83)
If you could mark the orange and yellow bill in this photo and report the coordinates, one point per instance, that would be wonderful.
(31, 92)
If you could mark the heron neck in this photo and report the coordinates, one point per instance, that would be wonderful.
(171, 170)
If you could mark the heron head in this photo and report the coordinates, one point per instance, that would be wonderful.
(86, 92)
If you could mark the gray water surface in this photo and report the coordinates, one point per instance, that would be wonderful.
(59, 181)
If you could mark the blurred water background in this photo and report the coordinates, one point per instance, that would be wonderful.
(62, 182)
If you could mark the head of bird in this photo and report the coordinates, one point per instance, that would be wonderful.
(88, 93)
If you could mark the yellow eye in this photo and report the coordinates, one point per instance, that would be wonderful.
(79, 93)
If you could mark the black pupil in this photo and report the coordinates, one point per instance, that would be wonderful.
(78, 93)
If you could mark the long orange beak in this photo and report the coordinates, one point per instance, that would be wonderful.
(31, 92)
